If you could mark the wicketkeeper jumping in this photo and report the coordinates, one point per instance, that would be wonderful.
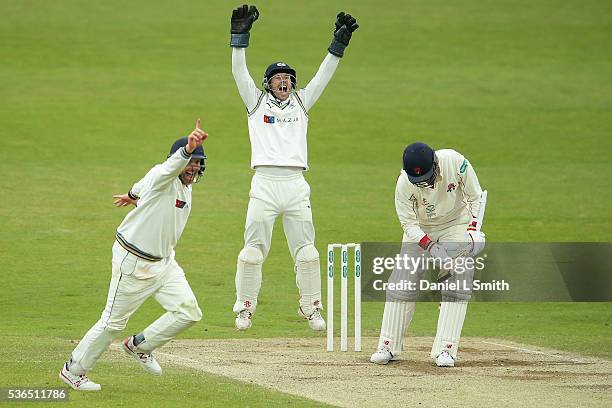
(278, 122)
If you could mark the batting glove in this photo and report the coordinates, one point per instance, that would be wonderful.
(242, 20)
(345, 25)
(476, 240)
(437, 251)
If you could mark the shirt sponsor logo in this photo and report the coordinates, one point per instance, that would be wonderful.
(180, 204)
(430, 209)
(464, 166)
(274, 119)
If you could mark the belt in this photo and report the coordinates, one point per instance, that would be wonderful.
(133, 249)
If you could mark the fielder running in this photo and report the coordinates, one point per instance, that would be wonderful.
(143, 265)
(278, 122)
(439, 203)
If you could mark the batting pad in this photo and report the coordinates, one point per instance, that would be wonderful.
(450, 323)
(248, 279)
(396, 319)
(308, 278)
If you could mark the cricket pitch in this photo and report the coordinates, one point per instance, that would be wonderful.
(490, 372)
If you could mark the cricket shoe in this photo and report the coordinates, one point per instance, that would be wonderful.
(146, 360)
(77, 382)
(382, 356)
(315, 320)
(243, 320)
(445, 360)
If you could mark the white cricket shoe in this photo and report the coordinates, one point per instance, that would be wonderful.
(445, 360)
(382, 356)
(315, 320)
(77, 382)
(243, 320)
(146, 360)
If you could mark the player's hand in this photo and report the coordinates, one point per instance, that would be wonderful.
(476, 242)
(438, 252)
(243, 18)
(123, 200)
(345, 25)
(347, 20)
(196, 138)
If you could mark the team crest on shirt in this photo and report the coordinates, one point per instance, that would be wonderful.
(180, 203)
(451, 187)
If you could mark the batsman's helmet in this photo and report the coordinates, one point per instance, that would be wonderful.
(420, 164)
(198, 153)
(278, 68)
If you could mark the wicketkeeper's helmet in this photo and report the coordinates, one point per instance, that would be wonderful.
(420, 164)
(278, 68)
(198, 153)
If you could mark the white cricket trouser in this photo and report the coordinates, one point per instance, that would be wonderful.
(274, 195)
(398, 312)
(133, 281)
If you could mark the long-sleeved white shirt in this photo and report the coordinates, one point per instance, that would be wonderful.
(153, 228)
(455, 197)
(278, 129)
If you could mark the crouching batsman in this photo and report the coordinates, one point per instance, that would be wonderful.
(143, 265)
(440, 206)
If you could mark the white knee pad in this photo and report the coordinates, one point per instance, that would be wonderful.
(251, 255)
(308, 278)
(248, 278)
(307, 254)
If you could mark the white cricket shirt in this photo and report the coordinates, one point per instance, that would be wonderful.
(153, 228)
(278, 130)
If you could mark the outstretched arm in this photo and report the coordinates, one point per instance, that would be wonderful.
(317, 84)
(246, 86)
(345, 25)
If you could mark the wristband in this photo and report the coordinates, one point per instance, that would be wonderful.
(240, 40)
(426, 242)
(336, 48)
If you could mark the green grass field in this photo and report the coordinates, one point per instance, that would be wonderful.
(93, 94)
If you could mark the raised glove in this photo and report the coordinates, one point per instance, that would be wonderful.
(242, 20)
(345, 25)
